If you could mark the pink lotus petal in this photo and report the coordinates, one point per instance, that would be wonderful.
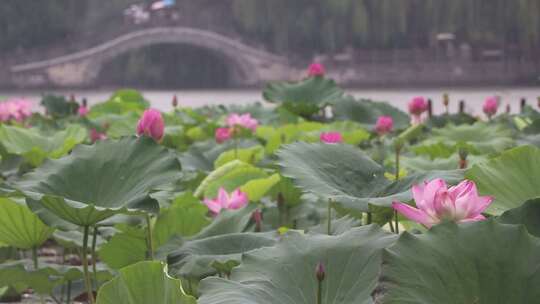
(414, 214)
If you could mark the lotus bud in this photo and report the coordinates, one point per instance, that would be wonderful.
(151, 124)
(257, 217)
(83, 111)
(490, 106)
(538, 102)
(331, 137)
(430, 108)
(175, 101)
(84, 102)
(463, 153)
(508, 109)
(523, 103)
(320, 272)
(316, 70)
(446, 99)
(384, 125)
(461, 106)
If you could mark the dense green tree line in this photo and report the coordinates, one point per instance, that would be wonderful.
(300, 25)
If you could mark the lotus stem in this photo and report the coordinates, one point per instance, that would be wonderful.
(150, 242)
(319, 292)
(93, 253)
(396, 219)
(329, 224)
(87, 280)
(68, 299)
(36, 267)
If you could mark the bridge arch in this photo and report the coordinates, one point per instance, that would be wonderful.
(248, 64)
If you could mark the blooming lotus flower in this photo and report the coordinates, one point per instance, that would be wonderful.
(83, 111)
(384, 125)
(95, 135)
(242, 120)
(151, 124)
(436, 203)
(17, 109)
(490, 106)
(417, 106)
(316, 69)
(331, 137)
(236, 200)
(223, 134)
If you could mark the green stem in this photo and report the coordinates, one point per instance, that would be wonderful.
(87, 280)
(319, 292)
(68, 299)
(150, 242)
(396, 219)
(329, 224)
(94, 257)
(36, 267)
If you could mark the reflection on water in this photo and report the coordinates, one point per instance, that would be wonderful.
(398, 97)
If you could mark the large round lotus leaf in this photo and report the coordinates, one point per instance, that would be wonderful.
(512, 178)
(305, 97)
(285, 273)
(201, 258)
(96, 182)
(367, 112)
(480, 263)
(527, 214)
(483, 137)
(143, 283)
(21, 228)
(345, 175)
(36, 146)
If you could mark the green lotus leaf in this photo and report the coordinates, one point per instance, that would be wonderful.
(527, 214)
(121, 102)
(420, 163)
(230, 176)
(46, 277)
(483, 262)
(21, 228)
(196, 258)
(35, 146)
(228, 221)
(483, 137)
(143, 283)
(185, 217)
(511, 178)
(250, 155)
(285, 273)
(96, 182)
(345, 175)
(125, 248)
(258, 188)
(58, 106)
(445, 119)
(303, 98)
(367, 112)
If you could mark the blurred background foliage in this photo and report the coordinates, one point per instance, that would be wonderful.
(297, 26)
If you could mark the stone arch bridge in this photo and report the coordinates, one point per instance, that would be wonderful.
(248, 66)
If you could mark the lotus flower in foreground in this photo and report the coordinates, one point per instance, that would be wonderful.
(236, 200)
(242, 120)
(436, 203)
(151, 124)
(331, 137)
(17, 109)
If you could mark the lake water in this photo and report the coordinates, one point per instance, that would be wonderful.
(161, 99)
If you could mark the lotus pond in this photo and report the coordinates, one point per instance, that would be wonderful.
(310, 197)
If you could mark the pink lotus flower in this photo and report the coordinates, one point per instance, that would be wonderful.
(223, 134)
(437, 203)
(331, 137)
(316, 69)
(236, 200)
(15, 109)
(490, 106)
(384, 125)
(83, 111)
(151, 124)
(95, 135)
(417, 106)
(242, 120)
